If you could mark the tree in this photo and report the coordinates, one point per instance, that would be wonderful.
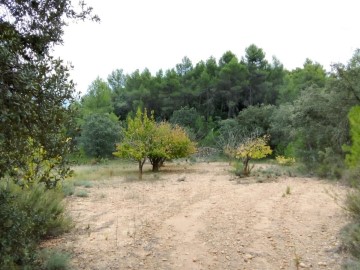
(311, 75)
(137, 139)
(117, 82)
(258, 70)
(256, 118)
(231, 80)
(97, 99)
(353, 156)
(188, 118)
(169, 143)
(35, 93)
(99, 135)
(252, 148)
(144, 138)
(35, 87)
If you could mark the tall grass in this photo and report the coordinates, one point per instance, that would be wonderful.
(103, 171)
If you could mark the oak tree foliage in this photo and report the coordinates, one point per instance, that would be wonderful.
(35, 86)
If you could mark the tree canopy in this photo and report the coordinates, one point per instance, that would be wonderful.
(303, 110)
(143, 139)
(35, 87)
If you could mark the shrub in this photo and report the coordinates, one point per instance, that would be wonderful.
(99, 135)
(27, 216)
(285, 161)
(239, 168)
(351, 238)
(67, 188)
(351, 232)
(55, 260)
(352, 205)
(252, 148)
(83, 183)
(82, 193)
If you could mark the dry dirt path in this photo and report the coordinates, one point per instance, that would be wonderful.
(200, 218)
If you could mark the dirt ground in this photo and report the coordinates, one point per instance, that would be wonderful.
(203, 218)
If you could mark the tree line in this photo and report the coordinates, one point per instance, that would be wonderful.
(304, 111)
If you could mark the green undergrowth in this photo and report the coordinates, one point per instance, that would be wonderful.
(266, 170)
(28, 215)
(351, 232)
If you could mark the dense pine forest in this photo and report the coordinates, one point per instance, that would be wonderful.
(305, 111)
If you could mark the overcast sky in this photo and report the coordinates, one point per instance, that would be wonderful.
(157, 34)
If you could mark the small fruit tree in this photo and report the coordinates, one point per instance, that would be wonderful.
(137, 139)
(169, 142)
(146, 139)
(252, 148)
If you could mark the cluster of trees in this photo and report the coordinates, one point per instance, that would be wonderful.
(144, 139)
(219, 103)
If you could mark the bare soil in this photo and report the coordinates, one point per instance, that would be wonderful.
(202, 217)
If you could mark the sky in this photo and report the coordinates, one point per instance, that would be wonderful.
(157, 34)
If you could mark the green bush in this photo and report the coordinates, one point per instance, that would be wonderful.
(238, 168)
(351, 264)
(99, 134)
(352, 205)
(351, 239)
(68, 188)
(82, 193)
(28, 215)
(351, 232)
(55, 259)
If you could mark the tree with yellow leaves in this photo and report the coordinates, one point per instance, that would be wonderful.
(252, 148)
(137, 140)
(146, 139)
(169, 142)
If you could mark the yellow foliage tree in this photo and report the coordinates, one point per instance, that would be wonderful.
(146, 139)
(252, 148)
(138, 138)
(169, 143)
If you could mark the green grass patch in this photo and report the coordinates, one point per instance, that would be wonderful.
(82, 193)
(83, 183)
(68, 188)
(104, 171)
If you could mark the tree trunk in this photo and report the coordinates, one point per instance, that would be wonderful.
(246, 170)
(156, 166)
(141, 164)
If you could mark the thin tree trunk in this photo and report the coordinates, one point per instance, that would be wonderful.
(246, 170)
(141, 164)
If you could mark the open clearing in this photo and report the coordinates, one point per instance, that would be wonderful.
(202, 218)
